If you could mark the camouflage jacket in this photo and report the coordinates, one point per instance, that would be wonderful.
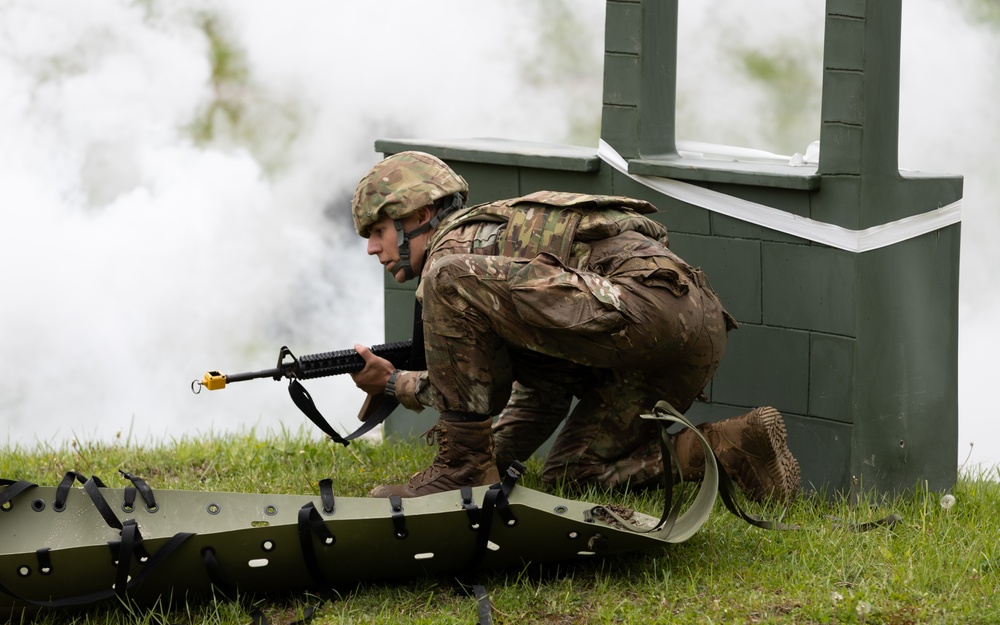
(593, 233)
(566, 225)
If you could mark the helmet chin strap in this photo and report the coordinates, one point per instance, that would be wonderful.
(403, 238)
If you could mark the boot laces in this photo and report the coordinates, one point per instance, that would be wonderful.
(437, 434)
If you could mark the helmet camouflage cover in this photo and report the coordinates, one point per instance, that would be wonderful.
(400, 185)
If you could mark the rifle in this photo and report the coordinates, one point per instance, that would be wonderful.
(310, 366)
(400, 354)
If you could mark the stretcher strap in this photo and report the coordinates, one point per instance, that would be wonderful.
(495, 500)
(121, 588)
(140, 485)
(398, 517)
(326, 496)
(310, 522)
(91, 488)
(470, 507)
(13, 490)
(62, 491)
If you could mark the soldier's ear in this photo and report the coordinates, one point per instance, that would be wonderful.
(425, 213)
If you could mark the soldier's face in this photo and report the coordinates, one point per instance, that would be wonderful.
(383, 242)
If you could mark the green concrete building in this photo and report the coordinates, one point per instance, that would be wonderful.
(843, 272)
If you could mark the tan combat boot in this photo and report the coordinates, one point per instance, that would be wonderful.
(753, 450)
(465, 458)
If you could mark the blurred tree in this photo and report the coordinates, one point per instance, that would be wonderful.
(564, 66)
(241, 113)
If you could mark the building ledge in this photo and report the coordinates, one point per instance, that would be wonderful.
(500, 152)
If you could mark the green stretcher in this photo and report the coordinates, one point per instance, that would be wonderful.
(81, 543)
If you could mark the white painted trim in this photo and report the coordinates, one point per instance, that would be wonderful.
(820, 232)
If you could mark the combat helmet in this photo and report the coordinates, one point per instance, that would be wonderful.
(399, 186)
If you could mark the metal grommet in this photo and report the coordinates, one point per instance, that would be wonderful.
(128, 507)
(37, 505)
(213, 508)
(152, 509)
(24, 570)
(270, 510)
(58, 506)
(560, 509)
(267, 545)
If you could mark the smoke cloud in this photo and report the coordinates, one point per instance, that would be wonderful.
(175, 176)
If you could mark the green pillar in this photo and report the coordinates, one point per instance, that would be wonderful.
(905, 378)
(640, 77)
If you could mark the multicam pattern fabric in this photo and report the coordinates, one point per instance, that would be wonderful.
(402, 184)
(619, 324)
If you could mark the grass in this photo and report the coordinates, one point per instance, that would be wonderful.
(936, 566)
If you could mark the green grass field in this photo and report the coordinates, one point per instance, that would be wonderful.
(935, 566)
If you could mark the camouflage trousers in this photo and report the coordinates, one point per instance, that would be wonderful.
(522, 338)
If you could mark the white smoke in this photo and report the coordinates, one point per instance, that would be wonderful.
(133, 258)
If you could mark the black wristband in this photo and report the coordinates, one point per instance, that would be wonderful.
(390, 386)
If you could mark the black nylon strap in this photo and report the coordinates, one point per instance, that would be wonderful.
(143, 488)
(214, 571)
(417, 362)
(398, 517)
(326, 496)
(128, 499)
(470, 506)
(44, 557)
(495, 500)
(165, 552)
(310, 522)
(484, 609)
(62, 491)
(130, 536)
(90, 486)
(304, 401)
(13, 490)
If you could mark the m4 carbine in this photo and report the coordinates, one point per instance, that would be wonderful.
(311, 365)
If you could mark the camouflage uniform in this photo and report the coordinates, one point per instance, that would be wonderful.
(531, 302)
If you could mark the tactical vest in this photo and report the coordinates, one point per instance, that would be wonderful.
(552, 221)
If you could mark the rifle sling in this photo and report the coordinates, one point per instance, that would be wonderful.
(306, 404)
(304, 401)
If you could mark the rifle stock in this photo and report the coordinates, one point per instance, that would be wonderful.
(311, 365)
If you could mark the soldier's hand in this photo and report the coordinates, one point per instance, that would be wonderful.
(373, 378)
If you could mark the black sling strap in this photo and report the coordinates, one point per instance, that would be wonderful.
(417, 362)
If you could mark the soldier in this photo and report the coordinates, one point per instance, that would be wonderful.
(531, 302)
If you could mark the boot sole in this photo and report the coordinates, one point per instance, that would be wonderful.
(782, 466)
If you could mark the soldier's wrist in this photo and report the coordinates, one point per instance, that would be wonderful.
(390, 386)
